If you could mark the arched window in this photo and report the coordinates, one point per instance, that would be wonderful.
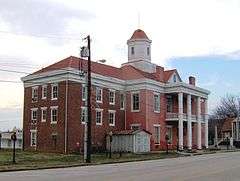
(132, 50)
(148, 51)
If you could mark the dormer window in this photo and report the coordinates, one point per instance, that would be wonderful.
(132, 50)
(148, 51)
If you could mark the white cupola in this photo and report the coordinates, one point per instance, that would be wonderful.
(139, 52)
(139, 47)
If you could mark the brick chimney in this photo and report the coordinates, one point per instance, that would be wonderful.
(192, 80)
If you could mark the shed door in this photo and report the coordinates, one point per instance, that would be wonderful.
(142, 143)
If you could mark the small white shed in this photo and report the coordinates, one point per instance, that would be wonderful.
(136, 141)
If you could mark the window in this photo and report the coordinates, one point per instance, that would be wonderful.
(83, 115)
(44, 114)
(98, 95)
(34, 114)
(157, 103)
(135, 126)
(111, 97)
(174, 78)
(33, 138)
(122, 101)
(99, 116)
(157, 134)
(34, 94)
(84, 93)
(44, 91)
(169, 133)
(54, 114)
(135, 102)
(169, 104)
(148, 50)
(111, 119)
(132, 50)
(54, 92)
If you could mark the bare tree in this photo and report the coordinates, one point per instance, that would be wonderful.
(229, 107)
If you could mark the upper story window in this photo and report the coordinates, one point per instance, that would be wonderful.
(132, 51)
(83, 115)
(34, 114)
(99, 94)
(84, 93)
(111, 118)
(157, 103)
(148, 51)
(169, 104)
(122, 102)
(111, 97)
(43, 114)
(54, 114)
(135, 102)
(99, 116)
(54, 91)
(34, 94)
(44, 91)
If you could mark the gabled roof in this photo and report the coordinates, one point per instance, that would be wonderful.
(139, 34)
(168, 74)
(126, 72)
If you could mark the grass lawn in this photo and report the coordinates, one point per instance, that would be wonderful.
(36, 160)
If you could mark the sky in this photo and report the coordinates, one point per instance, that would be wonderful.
(198, 37)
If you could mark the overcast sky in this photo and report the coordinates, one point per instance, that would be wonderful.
(199, 37)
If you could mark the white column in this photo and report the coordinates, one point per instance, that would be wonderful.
(206, 123)
(189, 121)
(232, 131)
(199, 128)
(180, 121)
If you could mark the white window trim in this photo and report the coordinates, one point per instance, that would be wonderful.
(171, 127)
(84, 87)
(136, 92)
(44, 86)
(124, 98)
(99, 110)
(114, 96)
(159, 126)
(135, 124)
(54, 108)
(33, 109)
(85, 108)
(33, 131)
(158, 94)
(43, 108)
(101, 95)
(33, 88)
(53, 85)
(114, 117)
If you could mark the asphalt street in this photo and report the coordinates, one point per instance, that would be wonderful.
(213, 167)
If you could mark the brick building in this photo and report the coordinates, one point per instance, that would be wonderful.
(138, 95)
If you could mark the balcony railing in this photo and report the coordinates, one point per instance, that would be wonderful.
(175, 116)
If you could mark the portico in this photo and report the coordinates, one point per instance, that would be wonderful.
(191, 114)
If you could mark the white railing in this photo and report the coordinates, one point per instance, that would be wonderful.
(175, 116)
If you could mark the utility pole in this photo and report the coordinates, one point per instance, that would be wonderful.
(86, 52)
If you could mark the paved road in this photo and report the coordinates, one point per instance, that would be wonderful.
(219, 167)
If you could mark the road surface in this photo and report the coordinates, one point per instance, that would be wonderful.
(219, 167)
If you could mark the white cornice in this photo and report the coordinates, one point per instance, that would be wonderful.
(72, 74)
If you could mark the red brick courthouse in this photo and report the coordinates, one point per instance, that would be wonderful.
(138, 95)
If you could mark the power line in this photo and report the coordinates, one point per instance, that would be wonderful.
(42, 36)
(14, 71)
